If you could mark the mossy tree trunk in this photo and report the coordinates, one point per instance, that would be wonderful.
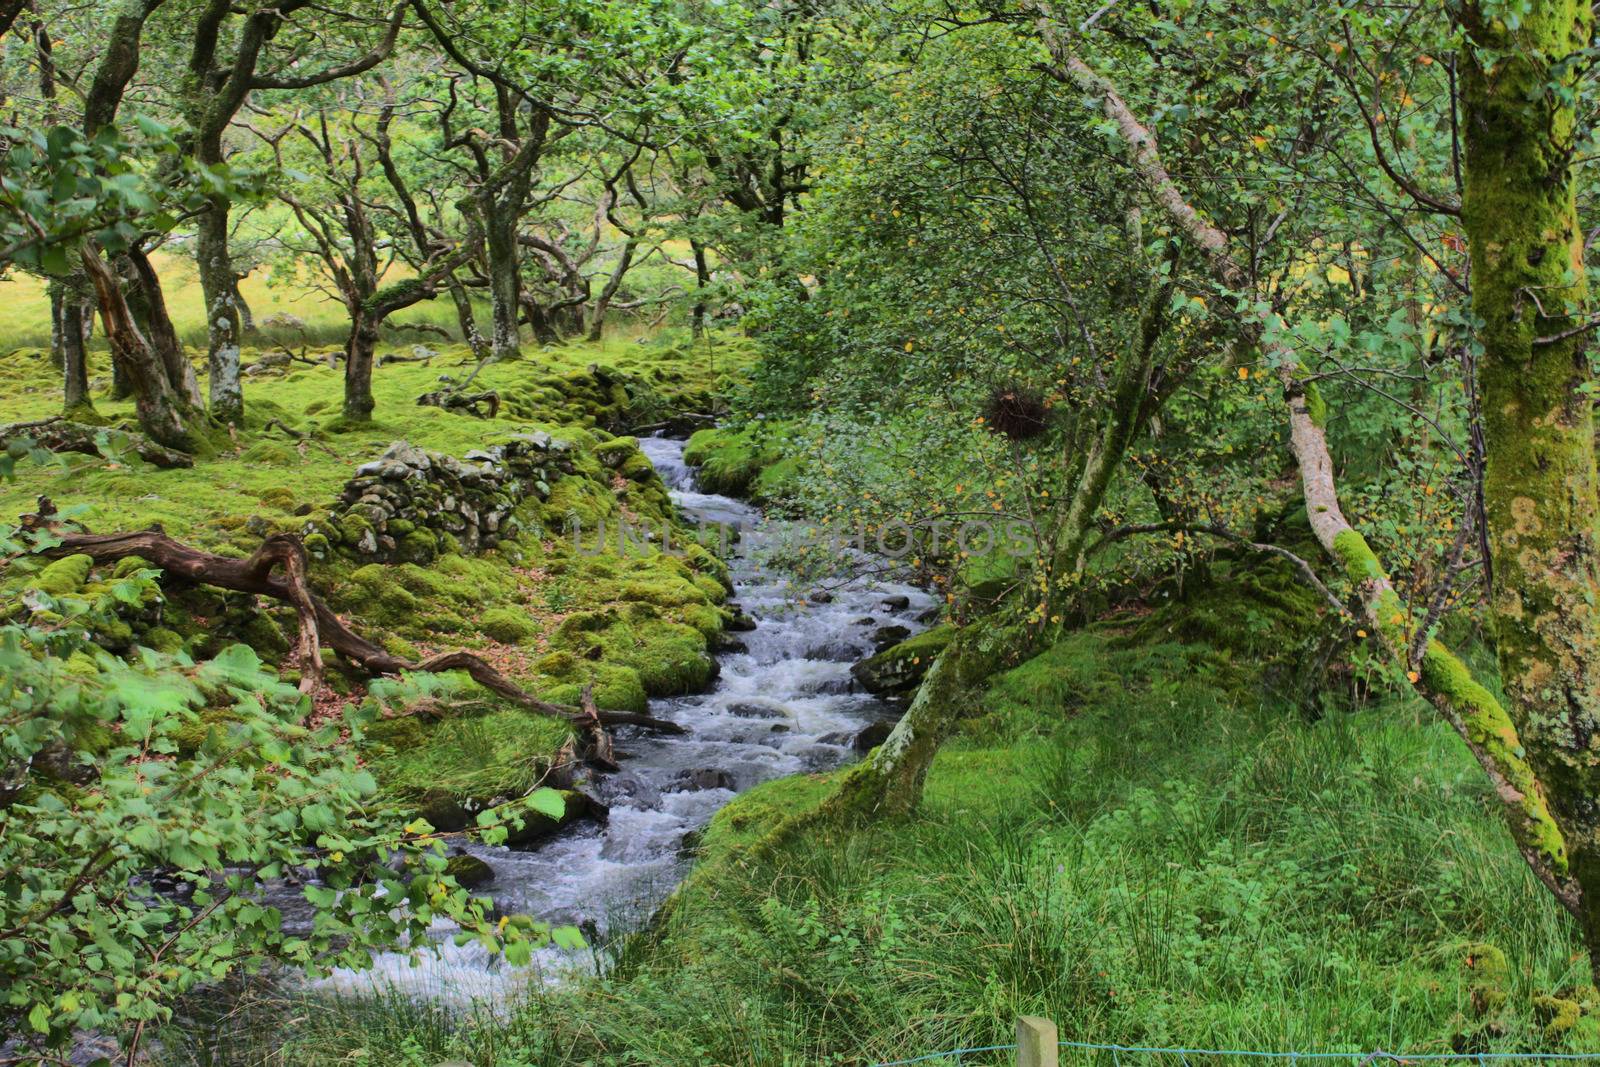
(164, 413)
(148, 303)
(889, 782)
(1540, 493)
(505, 281)
(702, 280)
(67, 311)
(223, 324)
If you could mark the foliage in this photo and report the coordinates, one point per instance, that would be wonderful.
(135, 865)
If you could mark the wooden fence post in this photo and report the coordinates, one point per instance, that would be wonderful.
(1037, 1045)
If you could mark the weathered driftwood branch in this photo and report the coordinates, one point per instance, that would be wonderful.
(58, 434)
(278, 569)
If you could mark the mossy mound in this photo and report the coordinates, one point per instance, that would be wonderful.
(758, 461)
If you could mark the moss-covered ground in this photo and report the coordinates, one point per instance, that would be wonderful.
(1131, 837)
(633, 623)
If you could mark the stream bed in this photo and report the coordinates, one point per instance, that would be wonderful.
(784, 703)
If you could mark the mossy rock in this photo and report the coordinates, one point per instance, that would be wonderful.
(668, 658)
(129, 565)
(468, 871)
(615, 687)
(580, 501)
(899, 669)
(278, 496)
(755, 461)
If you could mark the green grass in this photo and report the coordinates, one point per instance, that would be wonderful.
(1128, 839)
(25, 308)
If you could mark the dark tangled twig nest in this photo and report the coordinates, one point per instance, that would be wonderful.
(1016, 412)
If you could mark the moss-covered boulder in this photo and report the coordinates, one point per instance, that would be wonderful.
(730, 460)
(468, 870)
(899, 669)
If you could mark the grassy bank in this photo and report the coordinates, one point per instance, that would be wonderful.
(1129, 837)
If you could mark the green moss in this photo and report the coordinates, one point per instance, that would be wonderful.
(667, 657)
(1316, 406)
(128, 565)
(161, 639)
(476, 753)
(377, 596)
(1557, 1014)
(64, 576)
(508, 626)
(733, 459)
(581, 501)
(1489, 728)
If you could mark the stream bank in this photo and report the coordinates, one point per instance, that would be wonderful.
(784, 703)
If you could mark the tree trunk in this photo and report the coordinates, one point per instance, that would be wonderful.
(888, 783)
(467, 320)
(602, 304)
(1540, 482)
(148, 303)
(540, 321)
(74, 353)
(223, 325)
(247, 318)
(505, 282)
(702, 278)
(1438, 676)
(163, 415)
(359, 350)
(58, 358)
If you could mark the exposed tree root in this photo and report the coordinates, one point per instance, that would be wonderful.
(278, 569)
(58, 434)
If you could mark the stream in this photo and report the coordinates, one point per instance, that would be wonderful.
(784, 703)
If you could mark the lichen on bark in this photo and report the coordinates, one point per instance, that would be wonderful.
(1518, 88)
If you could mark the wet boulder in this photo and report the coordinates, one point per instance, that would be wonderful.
(695, 781)
(899, 669)
(835, 651)
(887, 636)
(468, 871)
(751, 709)
(872, 736)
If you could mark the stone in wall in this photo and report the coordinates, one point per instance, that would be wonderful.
(410, 504)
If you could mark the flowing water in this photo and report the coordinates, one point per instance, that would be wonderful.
(784, 703)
